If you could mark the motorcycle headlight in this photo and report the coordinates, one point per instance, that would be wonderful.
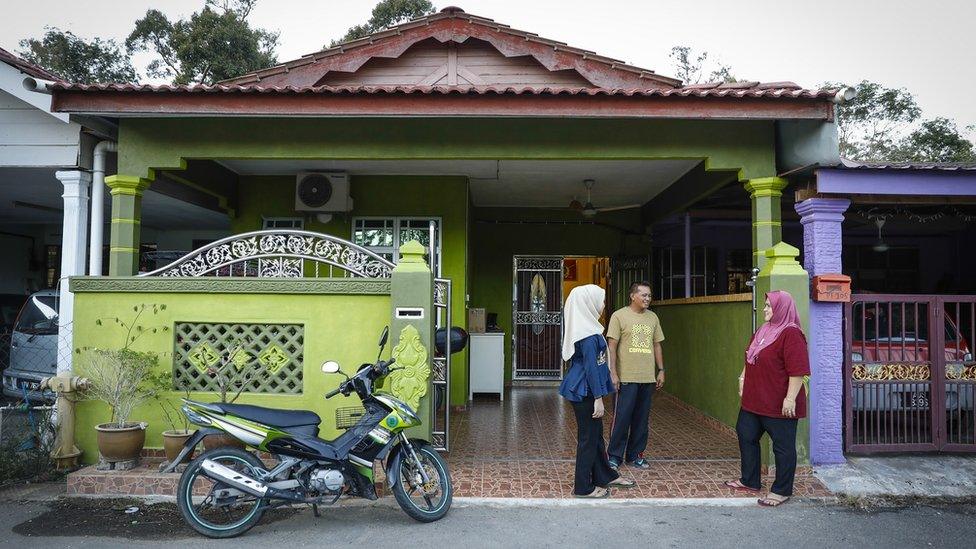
(857, 357)
(968, 357)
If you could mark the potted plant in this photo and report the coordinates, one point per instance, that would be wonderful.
(121, 378)
(232, 375)
(179, 432)
(118, 378)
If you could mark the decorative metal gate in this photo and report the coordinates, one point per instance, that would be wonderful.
(288, 253)
(910, 378)
(537, 309)
(625, 271)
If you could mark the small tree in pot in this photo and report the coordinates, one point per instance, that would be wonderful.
(121, 378)
(232, 375)
(179, 426)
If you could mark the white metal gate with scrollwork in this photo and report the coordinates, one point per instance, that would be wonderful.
(537, 321)
(289, 253)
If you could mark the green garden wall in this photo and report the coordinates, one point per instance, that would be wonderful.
(389, 196)
(337, 327)
(703, 353)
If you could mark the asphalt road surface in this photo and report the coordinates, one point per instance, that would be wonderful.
(794, 525)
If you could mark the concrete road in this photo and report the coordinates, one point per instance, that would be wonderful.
(793, 525)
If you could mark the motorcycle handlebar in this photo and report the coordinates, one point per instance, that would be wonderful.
(331, 394)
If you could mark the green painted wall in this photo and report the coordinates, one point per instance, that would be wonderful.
(704, 352)
(499, 234)
(327, 320)
(147, 143)
(434, 196)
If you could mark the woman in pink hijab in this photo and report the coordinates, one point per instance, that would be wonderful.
(773, 398)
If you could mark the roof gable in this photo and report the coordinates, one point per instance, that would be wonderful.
(456, 30)
(470, 63)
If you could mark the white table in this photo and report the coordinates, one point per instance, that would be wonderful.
(487, 358)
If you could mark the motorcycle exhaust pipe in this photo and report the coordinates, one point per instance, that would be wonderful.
(245, 483)
(234, 478)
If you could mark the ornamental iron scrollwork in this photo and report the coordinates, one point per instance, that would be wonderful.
(960, 372)
(545, 317)
(891, 372)
(278, 253)
(539, 264)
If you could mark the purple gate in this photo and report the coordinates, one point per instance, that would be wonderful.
(910, 378)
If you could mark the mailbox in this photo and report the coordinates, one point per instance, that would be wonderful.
(831, 287)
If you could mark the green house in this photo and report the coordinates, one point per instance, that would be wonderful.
(522, 165)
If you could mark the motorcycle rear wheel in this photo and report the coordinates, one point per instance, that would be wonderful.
(208, 516)
(424, 504)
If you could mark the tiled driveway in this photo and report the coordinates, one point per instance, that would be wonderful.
(525, 446)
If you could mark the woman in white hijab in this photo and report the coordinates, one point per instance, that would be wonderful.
(586, 383)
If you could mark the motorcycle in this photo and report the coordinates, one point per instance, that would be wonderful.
(225, 491)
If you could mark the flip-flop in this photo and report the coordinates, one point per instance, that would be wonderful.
(769, 502)
(595, 494)
(621, 482)
(737, 485)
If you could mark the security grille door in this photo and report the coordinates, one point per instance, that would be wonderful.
(624, 271)
(538, 318)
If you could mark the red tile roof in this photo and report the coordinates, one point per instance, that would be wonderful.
(773, 90)
(27, 67)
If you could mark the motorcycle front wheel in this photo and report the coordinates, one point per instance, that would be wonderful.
(424, 502)
(215, 509)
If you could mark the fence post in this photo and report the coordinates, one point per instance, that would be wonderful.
(412, 329)
(781, 271)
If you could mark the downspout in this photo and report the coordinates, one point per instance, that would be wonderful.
(98, 206)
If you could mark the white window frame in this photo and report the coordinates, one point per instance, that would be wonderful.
(395, 249)
(273, 220)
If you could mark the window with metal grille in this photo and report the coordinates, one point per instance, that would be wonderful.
(283, 223)
(385, 235)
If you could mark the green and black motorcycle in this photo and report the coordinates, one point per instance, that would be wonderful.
(225, 491)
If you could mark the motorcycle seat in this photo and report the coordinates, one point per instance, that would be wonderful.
(271, 416)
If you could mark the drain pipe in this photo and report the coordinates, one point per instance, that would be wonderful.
(98, 206)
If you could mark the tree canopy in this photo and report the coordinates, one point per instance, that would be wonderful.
(77, 60)
(213, 44)
(690, 67)
(883, 124)
(387, 13)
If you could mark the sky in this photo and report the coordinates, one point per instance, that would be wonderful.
(925, 47)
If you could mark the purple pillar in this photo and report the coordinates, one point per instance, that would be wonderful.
(822, 247)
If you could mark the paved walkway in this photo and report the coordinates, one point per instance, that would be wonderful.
(928, 476)
(525, 447)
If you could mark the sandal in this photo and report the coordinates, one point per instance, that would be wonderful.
(737, 485)
(770, 502)
(621, 482)
(597, 493)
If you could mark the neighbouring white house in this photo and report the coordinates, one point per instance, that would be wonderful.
(53, 220)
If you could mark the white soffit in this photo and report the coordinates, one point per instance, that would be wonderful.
(508, 183)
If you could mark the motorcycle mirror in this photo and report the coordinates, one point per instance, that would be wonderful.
(330, 367)
(384, 337)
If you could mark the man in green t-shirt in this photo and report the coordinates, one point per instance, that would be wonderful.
(637, 369)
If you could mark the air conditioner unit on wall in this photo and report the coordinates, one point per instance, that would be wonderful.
(322, 192)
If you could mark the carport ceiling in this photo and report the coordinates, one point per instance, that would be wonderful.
(508, 183)
(33, 195)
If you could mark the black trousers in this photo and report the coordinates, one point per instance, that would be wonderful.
(592, 467)
(750, 428)
(628, 436)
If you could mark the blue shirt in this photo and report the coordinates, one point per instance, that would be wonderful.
(589, 374)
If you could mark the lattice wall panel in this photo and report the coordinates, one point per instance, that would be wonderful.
(269, 358)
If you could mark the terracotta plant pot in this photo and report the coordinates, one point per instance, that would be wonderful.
(173, 442)
(121, 443)
(216, 441)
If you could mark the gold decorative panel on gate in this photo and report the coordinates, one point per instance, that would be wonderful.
(264, 358)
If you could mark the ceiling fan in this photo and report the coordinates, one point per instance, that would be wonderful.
(588, 210)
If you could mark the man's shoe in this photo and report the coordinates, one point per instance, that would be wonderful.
(640, 463)
(613, 464)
